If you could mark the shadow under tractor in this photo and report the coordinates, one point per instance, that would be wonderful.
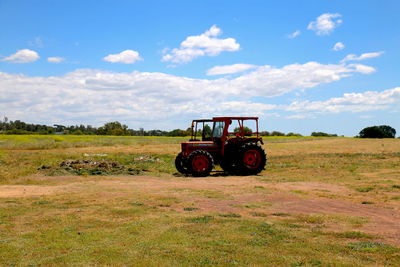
(238, 151)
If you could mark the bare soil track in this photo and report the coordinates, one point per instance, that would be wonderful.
(241, 195)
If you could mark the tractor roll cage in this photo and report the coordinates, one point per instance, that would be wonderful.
(229, 121)
(194, 127)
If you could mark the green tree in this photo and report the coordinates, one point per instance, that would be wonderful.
(177, 132)
(113, 128)
(206, 131)
(293, 134)
(383, 131)
(277, 133)
(246, 130)
(322, 134)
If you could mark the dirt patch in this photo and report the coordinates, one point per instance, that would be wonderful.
(313, 187)
(382, 174)
(240, 195)
(13, 191)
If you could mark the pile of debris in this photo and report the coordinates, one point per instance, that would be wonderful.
(90, 164)
(147, 158)
(91, 167)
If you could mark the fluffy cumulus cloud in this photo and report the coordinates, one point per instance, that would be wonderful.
(352, 57)
(22, 56)
(230, 69)
(350, 102)
(338, 46)
(94, 97)
(325, 24)
(55, 59)
(126, 57)
(294, 34)
(205, 44)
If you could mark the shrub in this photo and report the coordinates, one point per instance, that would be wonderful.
(277, 133)
(322, 134)
(77, 132)
(177, 132)
(293, 134)
(17, 131)
(246, 130)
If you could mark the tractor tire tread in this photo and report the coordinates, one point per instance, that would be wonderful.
(207, 171)
(241, 166)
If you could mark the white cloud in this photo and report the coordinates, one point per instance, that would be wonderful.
(338, 46)
(230, 69)
(22, 56)
(352, 57)
(270, 81)
(297, 116)
(94, 97)
(350, 102)
(55, 59)
(126, 57)
(205, 44)
(294, 34)
(362, 68)
(325, 24)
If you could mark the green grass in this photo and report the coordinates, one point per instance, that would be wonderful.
(146, 235)
(331, 168)
(353, 235)
(23, 163)
(37, 142)
(365, 189)
(100, 220)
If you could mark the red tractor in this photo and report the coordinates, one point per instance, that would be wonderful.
(237, 151)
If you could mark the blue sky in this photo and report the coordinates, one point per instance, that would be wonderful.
(301, 66)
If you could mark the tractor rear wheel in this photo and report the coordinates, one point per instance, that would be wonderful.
(180, 164)
(252, 159)
(200, 163)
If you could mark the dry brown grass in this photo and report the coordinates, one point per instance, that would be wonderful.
(333, 145)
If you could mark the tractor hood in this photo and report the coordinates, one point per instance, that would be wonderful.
(188, 147)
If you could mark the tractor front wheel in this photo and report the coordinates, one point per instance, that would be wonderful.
(180, 164)
(252, 159)
(200, 163)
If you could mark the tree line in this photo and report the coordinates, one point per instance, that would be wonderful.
(117, 128)
(109, 128)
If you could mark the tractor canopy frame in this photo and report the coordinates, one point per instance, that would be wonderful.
(225, 134)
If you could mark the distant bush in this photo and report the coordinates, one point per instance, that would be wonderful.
(277, 133)
(293, 134)
(383, 131)
(322, 134)
(77, 132)
(177, 132)
(17, 131)
(246, 130)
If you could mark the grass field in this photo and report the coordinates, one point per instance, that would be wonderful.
(320, 202)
